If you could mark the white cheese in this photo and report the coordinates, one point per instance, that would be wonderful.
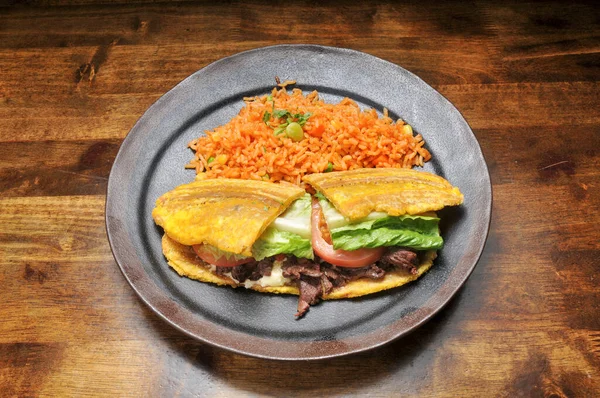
(275, 279)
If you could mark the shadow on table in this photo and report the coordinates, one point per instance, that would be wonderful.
(193, 368)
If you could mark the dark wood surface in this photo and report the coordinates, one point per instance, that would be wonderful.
(75, 77)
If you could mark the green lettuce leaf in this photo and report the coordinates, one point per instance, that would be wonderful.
(274, 241)
(296, 219)
(416, 232)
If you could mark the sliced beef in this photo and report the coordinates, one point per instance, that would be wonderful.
(310, 279)
(265, 266)
(250, 271)
(374, 272)
(293, 268)
(326, 284)
(310, 293)
(334, 276)
(370, 271)
(303, 307)
(243, 271)
(314, 280)
(401, 258)
(222, 270)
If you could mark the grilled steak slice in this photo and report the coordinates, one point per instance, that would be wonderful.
(294, 268)
(370, 271)
(402, 258)
(310, 293)
(250, 271)
(334, 275)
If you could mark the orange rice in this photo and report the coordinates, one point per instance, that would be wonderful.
(336, 137)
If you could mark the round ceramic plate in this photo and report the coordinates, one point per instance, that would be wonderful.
(151, 162)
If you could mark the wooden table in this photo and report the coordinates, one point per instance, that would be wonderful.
(75, 78)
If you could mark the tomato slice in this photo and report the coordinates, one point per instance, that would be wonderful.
(342, 258)
(214, 256)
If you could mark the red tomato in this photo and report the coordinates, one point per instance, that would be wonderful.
(342, 258)
(317, 131)
(211, 256)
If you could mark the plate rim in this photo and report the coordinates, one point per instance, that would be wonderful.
(155, 298)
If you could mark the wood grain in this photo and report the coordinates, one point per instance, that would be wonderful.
(76, 75)
(67, 167)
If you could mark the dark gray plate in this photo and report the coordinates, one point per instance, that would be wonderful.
(152, 158)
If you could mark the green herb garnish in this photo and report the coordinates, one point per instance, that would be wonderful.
(292, 125)
(281, 113)
(266, 117)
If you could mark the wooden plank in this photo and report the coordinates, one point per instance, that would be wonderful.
(100, 368)
(44, 168)
(529, 105)
(441, 42)
(546, 154)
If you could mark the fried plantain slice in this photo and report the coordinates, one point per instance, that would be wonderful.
(357, 193)
(226, 213)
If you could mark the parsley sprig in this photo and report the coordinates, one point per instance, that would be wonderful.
(293, 122)
(288, 116)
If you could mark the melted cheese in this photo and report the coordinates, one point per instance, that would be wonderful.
(276, 278)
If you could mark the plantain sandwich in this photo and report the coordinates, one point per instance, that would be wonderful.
(353, 233)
